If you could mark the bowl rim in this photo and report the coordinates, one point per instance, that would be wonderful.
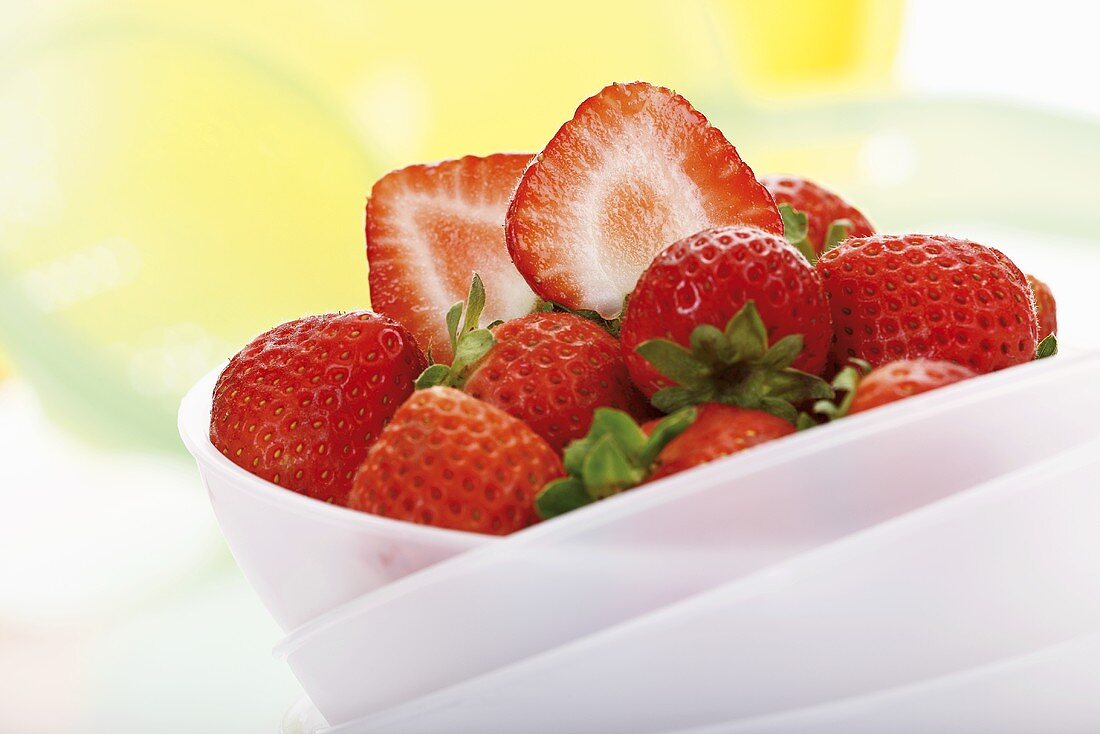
(193, 422)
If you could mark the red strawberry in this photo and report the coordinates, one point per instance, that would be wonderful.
(617, 454)
(429, 228)
(549, 369)
(552, 370)
(449, 460)
(905, 377)
(942, 298)
(829, 218)
(704, 282)
(718, 430)
(636, 168)
(1045, 307)
(300, 405)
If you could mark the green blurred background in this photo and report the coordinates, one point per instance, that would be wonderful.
(178, 176)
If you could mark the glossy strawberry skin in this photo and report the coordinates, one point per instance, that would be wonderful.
(302, 403)
(452, 461)
(821, 207)
(1045, 308)
(635, 169)
(706, 279)
(552, 370)
(429, 228)
(932, 296)
(903, 378)
(719, 430)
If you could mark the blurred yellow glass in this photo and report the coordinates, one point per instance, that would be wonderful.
(809, 49)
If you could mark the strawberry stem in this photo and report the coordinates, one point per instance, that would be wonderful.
(847, 382)
(735, 366)
(837, 233)
(796, 230)
(614, 456)
(469, 341)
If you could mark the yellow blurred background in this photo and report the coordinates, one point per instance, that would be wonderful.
(176, 177)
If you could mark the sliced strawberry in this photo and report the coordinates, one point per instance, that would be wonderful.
(429, 228)
(635, 169)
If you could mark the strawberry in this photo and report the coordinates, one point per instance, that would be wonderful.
(829, 219)
(428, 228)
(617, 454)
(718, 430)
(635, 169)
(937, 297)
(864, 388)
(450, 460)
(756, 287)
(1045, 307)
(549, 369)
(302, 403)
(896, 380)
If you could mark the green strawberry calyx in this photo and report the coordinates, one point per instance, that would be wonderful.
(796, 230)
(469, 341)
(735, 367)
(614, 456)
(1048, 347)
(846, 383)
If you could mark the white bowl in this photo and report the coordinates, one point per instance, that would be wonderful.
(303, 556)
(632, 554)
(982, 582)
(1052, 689)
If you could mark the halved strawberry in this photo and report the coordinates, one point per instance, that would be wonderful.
(635, 169)
(429, 227)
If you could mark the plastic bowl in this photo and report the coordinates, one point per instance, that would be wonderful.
(613, 561)
(982, 581)
(303, 556)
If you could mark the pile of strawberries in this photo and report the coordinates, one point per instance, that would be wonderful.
(627, 304)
